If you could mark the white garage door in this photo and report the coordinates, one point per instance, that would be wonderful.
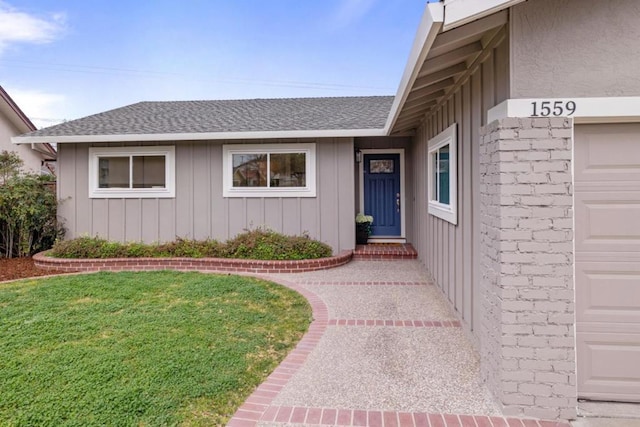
(607, 257)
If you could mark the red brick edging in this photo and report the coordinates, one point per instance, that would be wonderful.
(258, 403)
(43, 261)
(362, 283)
(362, 418)
(402, 323)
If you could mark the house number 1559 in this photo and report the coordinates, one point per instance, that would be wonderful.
(553, 108)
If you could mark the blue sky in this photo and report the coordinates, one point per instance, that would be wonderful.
(65, 60)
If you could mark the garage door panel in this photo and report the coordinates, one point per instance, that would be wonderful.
(607, 260)
(608, 366)
(608, 153)
(608, 221)
(609, 292)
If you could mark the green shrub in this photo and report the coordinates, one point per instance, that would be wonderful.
(190, 248)
(138, 250)
(81, 247)
(254, 244)
(27, 210)
(267, 244)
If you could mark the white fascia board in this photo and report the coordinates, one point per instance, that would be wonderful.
(429, 28)
(42, 148)
(460, 12)
(616, 109)
(338, 133)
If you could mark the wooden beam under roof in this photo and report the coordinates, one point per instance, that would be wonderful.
(452, 57)
(405, 125)
(493, 39)
(424, 100)
(410, 115)
(466, 34)
(429, 79)
(415, 117)
(428, 90)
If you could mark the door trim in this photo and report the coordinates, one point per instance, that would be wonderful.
(392, 239)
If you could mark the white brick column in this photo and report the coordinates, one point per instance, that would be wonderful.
(526, 261)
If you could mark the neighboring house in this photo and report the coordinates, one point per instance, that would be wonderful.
(38, 157)
(510, 159)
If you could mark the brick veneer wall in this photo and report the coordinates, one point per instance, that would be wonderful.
(190, 264)
(526, 261)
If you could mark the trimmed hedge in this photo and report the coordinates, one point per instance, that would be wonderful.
(254, 244)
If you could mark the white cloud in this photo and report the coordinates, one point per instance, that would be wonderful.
(42, 108)
(22, 27)
(350, 11)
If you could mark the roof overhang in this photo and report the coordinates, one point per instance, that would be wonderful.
(460, 12)
(441, 61)
(429, 28)
(208, 136)
(16, 116)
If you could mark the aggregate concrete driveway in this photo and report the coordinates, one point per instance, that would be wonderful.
(384, 349)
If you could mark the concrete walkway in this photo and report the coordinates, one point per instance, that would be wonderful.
(384, 349)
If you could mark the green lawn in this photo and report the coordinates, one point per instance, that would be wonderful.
(144, 349)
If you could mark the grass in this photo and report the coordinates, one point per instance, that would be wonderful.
(145, 349)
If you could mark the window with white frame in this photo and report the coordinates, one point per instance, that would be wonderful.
(442, 175)
(132, 172)
(269, 170)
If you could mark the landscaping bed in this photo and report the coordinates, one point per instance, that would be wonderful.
(21, 268)
(254, 251)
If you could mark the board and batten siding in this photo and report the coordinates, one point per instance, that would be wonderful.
(199, 210)
(449, 251)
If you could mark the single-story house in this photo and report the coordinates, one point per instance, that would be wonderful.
(37, 157)
(509, 158)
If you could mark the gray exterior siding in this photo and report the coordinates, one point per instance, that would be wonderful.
(199, 211)
(556, 41)
(450, 251)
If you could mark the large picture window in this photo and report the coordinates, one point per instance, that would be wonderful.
(442, 175)
(131, 172)
(269, 170)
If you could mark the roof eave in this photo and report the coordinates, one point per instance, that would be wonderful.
(460, 12)
(205, 136)
(16, 115)
(430, 26)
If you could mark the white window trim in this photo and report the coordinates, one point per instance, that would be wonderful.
(446, 212)
(227, 170)
(132, 193)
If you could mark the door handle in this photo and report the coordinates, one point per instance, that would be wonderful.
(398, 202)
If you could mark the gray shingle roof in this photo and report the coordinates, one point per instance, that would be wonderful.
(249, 115)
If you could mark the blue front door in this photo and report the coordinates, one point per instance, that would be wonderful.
(382, 193)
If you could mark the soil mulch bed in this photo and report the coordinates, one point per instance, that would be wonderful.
(21, 268)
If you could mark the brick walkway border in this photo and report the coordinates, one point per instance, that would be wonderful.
(224, 265)
(258, 407)
(260, 400)
(355, 283)
(348, 417)
(402, 323)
